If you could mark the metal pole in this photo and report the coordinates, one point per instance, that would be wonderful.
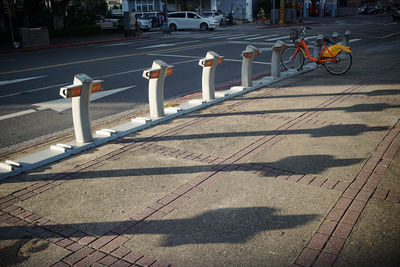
(11, 26)
(166, 30)
(273, 11)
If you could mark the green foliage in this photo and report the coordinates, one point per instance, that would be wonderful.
(266, 5)
(85, 12)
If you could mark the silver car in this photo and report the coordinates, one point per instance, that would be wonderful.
(144, 24)
(214, 15)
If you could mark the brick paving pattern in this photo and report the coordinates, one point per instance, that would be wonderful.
(322, 249)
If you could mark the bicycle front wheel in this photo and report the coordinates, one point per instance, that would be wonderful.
(342, 64)
(291, 62)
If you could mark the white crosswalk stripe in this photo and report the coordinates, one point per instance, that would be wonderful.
(244, 38)
(238, 37)
(278, 38)
(261, 37)
(224, 36)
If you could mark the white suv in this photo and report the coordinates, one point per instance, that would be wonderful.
(190, 20)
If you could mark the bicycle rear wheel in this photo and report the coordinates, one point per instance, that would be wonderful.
(289, 62)
(342, 64)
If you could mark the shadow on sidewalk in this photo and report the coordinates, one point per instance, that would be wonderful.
(310, 164)
(331, 130)
(355, 108)
(385, 92)
(225, 225)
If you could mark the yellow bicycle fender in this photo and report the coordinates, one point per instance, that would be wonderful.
(335, 50)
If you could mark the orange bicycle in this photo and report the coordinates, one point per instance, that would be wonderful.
(336, 58)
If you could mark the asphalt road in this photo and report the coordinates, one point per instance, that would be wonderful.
(29, 80)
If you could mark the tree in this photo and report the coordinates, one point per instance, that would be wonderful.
(86, 12)
(60, 13)
(58, 8)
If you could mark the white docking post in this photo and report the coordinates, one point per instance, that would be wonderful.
(156, 76)
(80, 92)
(318, 45)
(346, 38)
(335, 37)
(209, 64)
(276, 59)
(247, 65)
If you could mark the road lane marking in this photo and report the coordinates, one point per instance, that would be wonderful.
(261, 37)
(277, 38)
(253, 43)
(34, 90)
(238, 37)
(166, 45)
(16, 114)
(99, 77)
(20, 80)
(169, 55)
(310, 37)
(223, 36)
(112, 57)
(354, 40)
(62, 104)
(117, 44)
(389, 35)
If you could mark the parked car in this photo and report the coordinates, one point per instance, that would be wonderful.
(190, 20)
(396, 13)
(152, 15)
(144, 24)
(117, 12)
(214, 15)
(369, 10)
(107, 23)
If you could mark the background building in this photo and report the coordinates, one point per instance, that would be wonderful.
(239, 8)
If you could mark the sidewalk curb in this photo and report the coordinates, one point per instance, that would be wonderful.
(60, 151)
(71, 45)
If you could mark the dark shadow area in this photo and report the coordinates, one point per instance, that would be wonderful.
(18, 248)
(388, 92)
(311, 164)
(226, 225)
(326, 131)
(356, 108)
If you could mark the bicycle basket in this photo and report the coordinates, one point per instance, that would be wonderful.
(294, 34)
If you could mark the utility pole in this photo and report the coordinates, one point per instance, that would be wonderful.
(282, 12)
(15, 44)
(125, 12)
(273, 11)
(166, 29)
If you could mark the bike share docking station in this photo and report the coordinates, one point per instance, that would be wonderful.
(83, 86)
(276, 59)
(156, 76)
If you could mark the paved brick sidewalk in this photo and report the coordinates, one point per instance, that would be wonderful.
(304, 172)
